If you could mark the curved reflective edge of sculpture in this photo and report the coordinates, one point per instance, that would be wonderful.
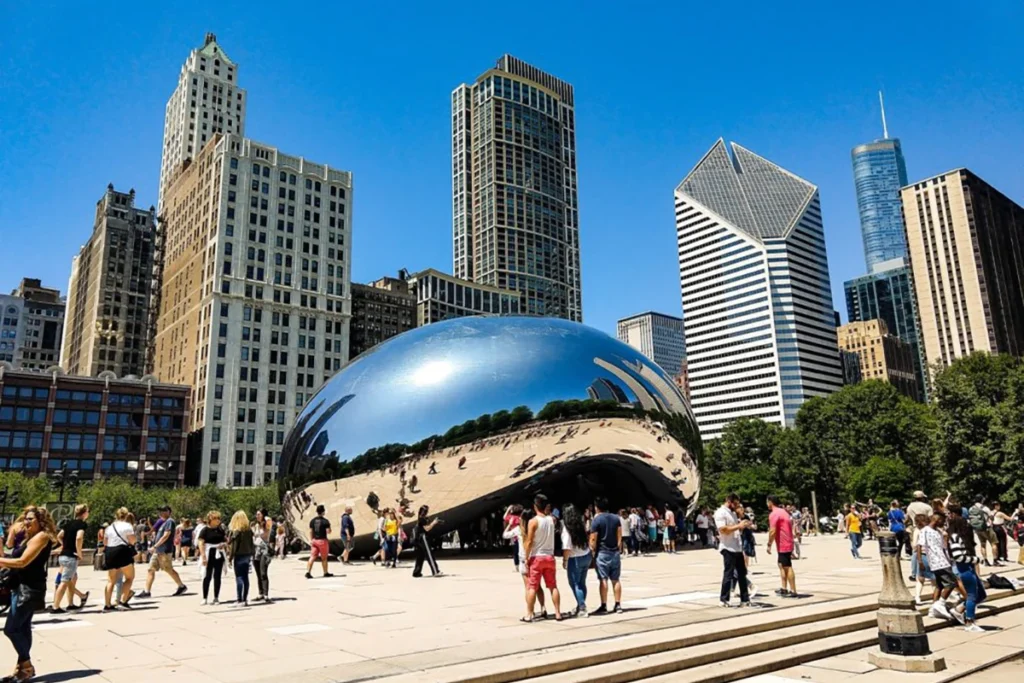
(472, 414)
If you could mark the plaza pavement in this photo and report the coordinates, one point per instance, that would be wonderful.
(371, 622)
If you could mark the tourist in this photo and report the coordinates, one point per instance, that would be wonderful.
(606, 545)
(931, 544)
(980, 519)
(518, 533)
(999, 525)
(421, 543)
(627, 537)
(703, 523)
(39, 536)
(71, 538)
(747, 539)
(390, 540)
(919, 570)
(576, 556)
(797, 521)
(669, 538)
(780, 532)
(212, 540)
(540, 557)
(348, 534)
(200, 525)
(511, 520)
(319, 529)
(163, 552)
(651, 516)
(262, 528)
(185, 541)
(853, 529)
(961, 548)
(119, 559)
(637, 528)
(281, 541)
(241, 548)
(898, 526)
(382, 539)
(733, 568)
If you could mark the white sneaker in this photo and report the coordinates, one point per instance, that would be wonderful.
(205, 602)
(959, 616)
(941, 610)
(582, 613)
(974, 628)
(725, 604)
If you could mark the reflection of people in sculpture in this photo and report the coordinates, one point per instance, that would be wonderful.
(462, 463)
(412, 483)
(421, 542)
(433, 468)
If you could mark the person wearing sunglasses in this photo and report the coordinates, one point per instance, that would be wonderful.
(30, 560)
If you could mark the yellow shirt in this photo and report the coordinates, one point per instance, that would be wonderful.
(852, 523)
(391, 528)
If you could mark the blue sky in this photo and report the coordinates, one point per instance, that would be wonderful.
(365, 87)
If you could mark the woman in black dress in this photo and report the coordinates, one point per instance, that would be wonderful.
(30, 563)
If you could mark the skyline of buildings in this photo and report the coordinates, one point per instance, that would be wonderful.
(515, 214)
(757, 304)
(881, 355)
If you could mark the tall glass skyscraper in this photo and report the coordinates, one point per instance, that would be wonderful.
(879, 173)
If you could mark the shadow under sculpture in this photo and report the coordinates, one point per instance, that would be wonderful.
(473, 414)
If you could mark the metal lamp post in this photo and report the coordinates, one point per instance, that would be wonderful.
(64, 477)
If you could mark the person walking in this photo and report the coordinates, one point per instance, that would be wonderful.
(262, 529)
(119, 559)
(319, 529)
(421, 543)
(391, 528)
(212, 539)
(241, 548)
(201, 566)
(931, 543)
(348, 534)
(576, 555)
(1000, 522)
(71, 538)
(382, 517)
(540, 557)
(898, 526)
(606, 545)
(853, 529)
(30, 595)
(961, 550)
(980, 519)
(780, 532)
(185, 541)
(733, 568)
(163, 554)
(516, 531)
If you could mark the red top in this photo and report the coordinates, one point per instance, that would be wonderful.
(780, 522)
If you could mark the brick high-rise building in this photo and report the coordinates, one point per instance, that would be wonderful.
(881, 355)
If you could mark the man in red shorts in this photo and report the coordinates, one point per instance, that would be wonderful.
(539, 551)
(319, 529)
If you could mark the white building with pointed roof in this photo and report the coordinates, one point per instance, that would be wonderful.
(207, 100)
(757, 302)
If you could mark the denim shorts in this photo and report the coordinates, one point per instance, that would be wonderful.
(609, 565)
(68, 568)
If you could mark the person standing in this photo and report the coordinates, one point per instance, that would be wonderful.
(185, 540)
(262, 529)
(898, 526)
(733, 568)
(853, 529)
(961, 549)
(703, 527)
(421, 543)
(319, 529)
(576, 555)
(391, 528)
(780, 532)
(348, 534)
(999, 525)
(669, 540)
(540, 557)
(511, 519)
(240, 551)
(119, 559)
(212, 539)
(606, 544)
(980, 519)
(71, 538)
(637, 528)
(381, 538)
(30, 594)
(163, 554)
(518, 533)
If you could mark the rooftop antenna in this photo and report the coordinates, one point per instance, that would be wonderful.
(885, 128)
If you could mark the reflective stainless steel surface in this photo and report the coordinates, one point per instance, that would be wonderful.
(472, 414)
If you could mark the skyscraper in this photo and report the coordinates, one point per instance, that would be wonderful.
(380, 310)
(966, 242)
(758, 318)
(111, 290)
(657, 336)
(881, 355)
(878, 174)
(515, 212)
(256, 303)
(31, 326)
(206, 101)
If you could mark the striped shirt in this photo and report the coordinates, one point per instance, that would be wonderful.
(958, 549)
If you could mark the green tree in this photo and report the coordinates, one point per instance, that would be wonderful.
(881, 478)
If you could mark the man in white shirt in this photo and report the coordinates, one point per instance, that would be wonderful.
(733, 567)
(635, 530)
(701, 523)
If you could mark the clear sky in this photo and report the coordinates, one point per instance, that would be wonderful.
(366, 87)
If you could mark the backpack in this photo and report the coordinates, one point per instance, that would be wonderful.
(976, 518)
(996, 581)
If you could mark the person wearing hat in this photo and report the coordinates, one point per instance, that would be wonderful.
(163, 554)
(920, 506)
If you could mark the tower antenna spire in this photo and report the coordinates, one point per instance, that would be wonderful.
(885, 128)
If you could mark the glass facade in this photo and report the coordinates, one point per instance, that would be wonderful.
(878, 174)
(888, 295)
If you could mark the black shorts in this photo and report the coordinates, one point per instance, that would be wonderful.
(944, 578)
(786, 559)
(118, 557)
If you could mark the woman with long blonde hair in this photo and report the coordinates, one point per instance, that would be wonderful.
(31, 562)
(119, 558)
(240, 551)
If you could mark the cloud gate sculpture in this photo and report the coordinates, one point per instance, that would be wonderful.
(472, 414)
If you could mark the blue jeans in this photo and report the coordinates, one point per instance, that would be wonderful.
(18, 628)
(855, 542)
(975, 590)
(242, 564)
(577, 571)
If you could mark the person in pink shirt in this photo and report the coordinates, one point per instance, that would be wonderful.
(780, 532)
